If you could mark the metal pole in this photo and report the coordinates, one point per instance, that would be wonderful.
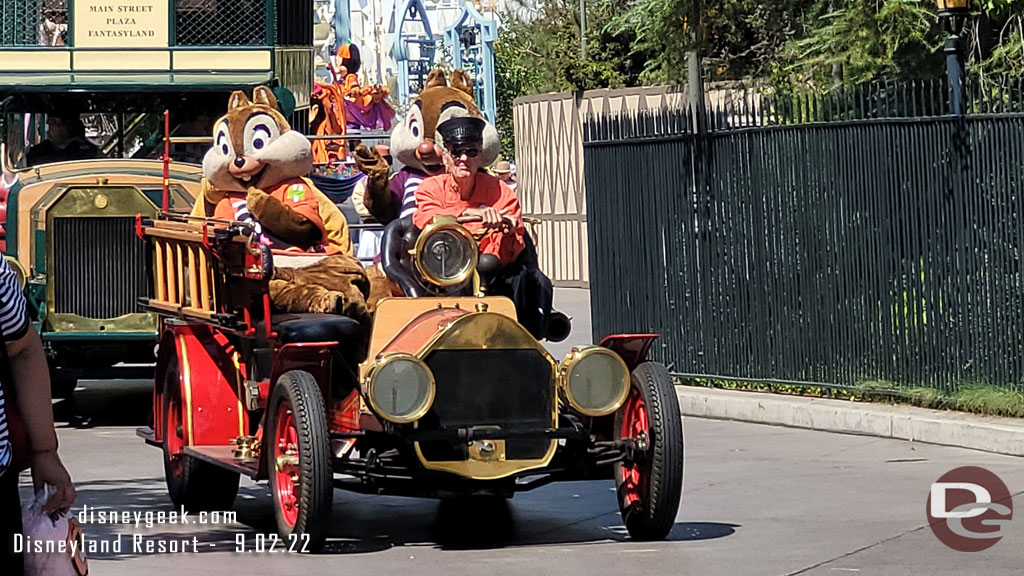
(955, 74)
(694, 78)
(376, 41)
(342, 23)
(583, 29)
(166, 159)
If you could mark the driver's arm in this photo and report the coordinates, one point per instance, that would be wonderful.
(506, 245)
(508, 205)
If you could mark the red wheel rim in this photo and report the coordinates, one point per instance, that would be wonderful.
(174, 437)
(286, 463)
(635, 476)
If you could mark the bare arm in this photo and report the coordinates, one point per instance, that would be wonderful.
(32, 388)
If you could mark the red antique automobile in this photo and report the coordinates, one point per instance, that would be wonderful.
(447, 394)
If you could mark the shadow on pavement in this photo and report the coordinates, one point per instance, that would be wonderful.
(106, 403)
(563, 513)
(570, 514)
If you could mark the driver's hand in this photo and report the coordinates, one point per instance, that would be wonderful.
(508, 224)
(489, 217)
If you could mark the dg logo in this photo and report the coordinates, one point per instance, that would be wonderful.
(969, 509)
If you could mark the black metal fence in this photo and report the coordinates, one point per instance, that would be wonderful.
(215, 23)
(843, 249)
(33, 22)
(223, 23)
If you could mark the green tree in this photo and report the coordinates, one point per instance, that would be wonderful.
(513, 77)
(849, 42)
(738, 38)
(997, 40)
(807, 43)
(542, 54)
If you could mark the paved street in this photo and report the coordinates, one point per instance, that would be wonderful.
(757, 500)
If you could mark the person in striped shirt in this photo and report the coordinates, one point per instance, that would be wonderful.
(24, 374)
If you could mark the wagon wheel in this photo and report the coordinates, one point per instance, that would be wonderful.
(299, 458)
(649, 486)
(192, 483)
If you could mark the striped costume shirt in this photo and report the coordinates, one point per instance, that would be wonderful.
(403, 185)
(14, 324)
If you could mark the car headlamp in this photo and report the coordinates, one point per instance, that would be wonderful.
(445, 253)
(594, 380)
(400, 388)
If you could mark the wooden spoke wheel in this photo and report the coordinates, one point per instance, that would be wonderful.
(298, 448)
(649, 486)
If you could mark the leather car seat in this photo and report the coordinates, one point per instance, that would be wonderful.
(399, 237)
(301, 328)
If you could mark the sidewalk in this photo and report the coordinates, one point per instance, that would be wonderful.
(991, 434)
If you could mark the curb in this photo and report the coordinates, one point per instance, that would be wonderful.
(990, 434)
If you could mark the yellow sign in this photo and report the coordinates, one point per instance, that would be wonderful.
(121, 23)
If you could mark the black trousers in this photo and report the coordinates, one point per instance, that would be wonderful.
(529, 289)
(10, 524)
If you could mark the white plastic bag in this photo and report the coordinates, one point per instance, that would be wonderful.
(52, 544)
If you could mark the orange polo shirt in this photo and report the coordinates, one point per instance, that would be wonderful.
(437, 196)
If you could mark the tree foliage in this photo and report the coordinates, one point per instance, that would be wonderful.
(853, 42)
(549, 44)
(815, 42)
(513, 77)
(541, 53)
(807, 43)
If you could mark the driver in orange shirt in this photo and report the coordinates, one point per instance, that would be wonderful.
(465, 190)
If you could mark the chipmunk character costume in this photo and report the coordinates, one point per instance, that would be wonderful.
(256, 172)
(412, 142)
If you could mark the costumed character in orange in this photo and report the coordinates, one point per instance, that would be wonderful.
(256, 173)
(343, 105)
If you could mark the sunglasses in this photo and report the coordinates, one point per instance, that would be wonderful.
(469, 152)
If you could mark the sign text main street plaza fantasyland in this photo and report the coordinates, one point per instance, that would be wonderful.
(113, 24)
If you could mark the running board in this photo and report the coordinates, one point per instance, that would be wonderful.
(148, 435)
(224, 456)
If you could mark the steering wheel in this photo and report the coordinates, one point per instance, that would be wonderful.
(505, 227)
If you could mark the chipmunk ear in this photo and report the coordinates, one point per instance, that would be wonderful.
(238, 100)
(435, 79)
(263, 95)
(462, 81)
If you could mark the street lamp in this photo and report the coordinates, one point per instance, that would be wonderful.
(954, 15)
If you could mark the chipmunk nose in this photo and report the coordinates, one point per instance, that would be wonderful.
(239, 162)
(425, 149)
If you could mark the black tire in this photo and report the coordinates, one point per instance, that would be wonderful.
(62, 384)
(652, 515)
(314, 494)
(195, 484)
